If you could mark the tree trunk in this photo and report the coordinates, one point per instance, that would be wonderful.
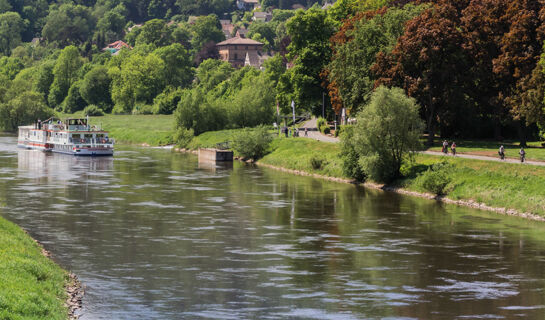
(522, 133)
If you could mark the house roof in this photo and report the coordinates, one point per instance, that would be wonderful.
(263, 15)
(251, 1)
(239, 40)
(118, 45)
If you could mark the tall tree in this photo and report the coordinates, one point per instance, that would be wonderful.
(426, 62)
(65, 73)
(11, 26)
(69, 24)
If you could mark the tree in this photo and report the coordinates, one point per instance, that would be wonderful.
(426, 62)
(95, 88)
(11, 26)
(73, 101)
(155, 32)
(44, 78)
(139, 79)
(204, 30)
(195, 112)
(24, 109)
(254, 104)
(65, 73)
(178, 61)
(167, 101)
(109, 28)
(68, 24)
(10, 66)
(309, 51)
(355, 48)
(386, 133)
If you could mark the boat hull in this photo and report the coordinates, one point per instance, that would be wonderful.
(67, 149)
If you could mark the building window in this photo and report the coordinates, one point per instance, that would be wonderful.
(236, 56)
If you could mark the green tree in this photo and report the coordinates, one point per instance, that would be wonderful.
(178, 61)
(387, 131)
(11, 26)
(139, 80)
(309, 51)
(155, 32)
(65, 74)
(95, 88)
(69, 24)
(109, 27)
(254, 104)
(44, 78)
(10, 66)
(167, 101)
(204, 30)
(73, 101)
(24, 109)
(195, 112)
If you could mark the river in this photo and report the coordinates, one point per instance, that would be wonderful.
(153, 234)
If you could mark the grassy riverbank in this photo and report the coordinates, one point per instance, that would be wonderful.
(31, 285)
(496, 184)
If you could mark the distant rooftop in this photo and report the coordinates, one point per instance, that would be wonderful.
(238, 40)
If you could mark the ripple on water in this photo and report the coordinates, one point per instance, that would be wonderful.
(154, 204)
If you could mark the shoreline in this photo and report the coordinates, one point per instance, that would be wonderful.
(464, 203)
(73, 287)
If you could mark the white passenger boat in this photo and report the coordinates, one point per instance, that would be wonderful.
(73, 136)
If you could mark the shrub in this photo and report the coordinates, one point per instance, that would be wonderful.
(322, 125)
(167, 101)
(317, 162)
(143, 109)
(93, 111)
(349, 156)
(252, 143)
(183, 137)
(436, 179)
(386, 134)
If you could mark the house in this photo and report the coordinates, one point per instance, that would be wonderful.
(256, 59)
(241, 32)
(240, 52)
(227, 28)
(134, 27)
(262, 16)
(114, 47)
(247, 5)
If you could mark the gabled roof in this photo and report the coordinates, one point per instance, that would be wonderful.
(239, 40)
(118, 45)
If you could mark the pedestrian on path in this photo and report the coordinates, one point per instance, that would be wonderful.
(445, 147)
(306, 132)
(522, 154)
(501, 152)
(453, 148)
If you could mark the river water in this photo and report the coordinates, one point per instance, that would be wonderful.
(155, 235)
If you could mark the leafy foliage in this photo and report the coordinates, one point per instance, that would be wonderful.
(387, 132)
(252, 143)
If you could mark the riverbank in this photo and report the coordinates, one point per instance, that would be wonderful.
(32, 286)
(505, 188)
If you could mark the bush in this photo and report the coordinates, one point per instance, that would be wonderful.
(317, 162)
(183, 137)
(436, 179)
(143, 109)
(252, 143)
(93, 111)
(322, 125)
(386, 134)
(167, 101)
(349, 156)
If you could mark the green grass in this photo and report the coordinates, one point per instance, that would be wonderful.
(296, 154)
(490, 148)
(211, 138)
(153, 130)
(31, 285)
(505, 185)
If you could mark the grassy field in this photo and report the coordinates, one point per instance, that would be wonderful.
(490, 148)
(211, 138)
(498, 184)
(31, 285)
(153, 130)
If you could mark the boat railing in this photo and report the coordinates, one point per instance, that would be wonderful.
(93, 141)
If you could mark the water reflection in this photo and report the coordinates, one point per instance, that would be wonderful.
(156, 235)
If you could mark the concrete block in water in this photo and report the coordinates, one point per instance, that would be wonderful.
(215, 155)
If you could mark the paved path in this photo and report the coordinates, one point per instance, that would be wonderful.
(485, 158)
(313, 132)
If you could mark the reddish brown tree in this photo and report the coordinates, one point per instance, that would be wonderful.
(427, 62)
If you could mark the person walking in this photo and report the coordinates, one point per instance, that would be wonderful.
(501, 152)
(445, 147)
(522, 154)
(306, 132)
(453, 148)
